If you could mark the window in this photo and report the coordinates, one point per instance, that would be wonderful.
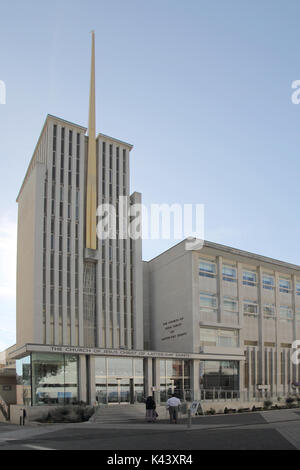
(269, 311)
(250, 307)
(297, 287)
(215, 337)
(249, 278)
(208, 301)
(207, 269)
(230, 305)
(268, 282)
(284, 285)
(229, 273)
(286, 313)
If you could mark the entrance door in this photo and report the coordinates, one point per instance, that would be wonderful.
(120, 390)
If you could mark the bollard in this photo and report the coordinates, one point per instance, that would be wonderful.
(189, 419)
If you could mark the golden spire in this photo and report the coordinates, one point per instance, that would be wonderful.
(91, 187)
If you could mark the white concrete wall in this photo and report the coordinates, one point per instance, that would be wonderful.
(171, 301)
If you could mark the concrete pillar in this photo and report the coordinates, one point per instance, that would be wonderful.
(82, 383)
(91, 380)
(249, 357)
(156, 379)
(242, 378)
(255, 371)
(261, 351)
(148, 376)
(267, 366)
(291, 369)
(195, 379)
(220, 289)
(272, 364)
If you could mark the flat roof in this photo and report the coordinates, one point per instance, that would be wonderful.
(233, 251)
(69, 123)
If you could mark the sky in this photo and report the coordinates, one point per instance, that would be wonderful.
(201, 88)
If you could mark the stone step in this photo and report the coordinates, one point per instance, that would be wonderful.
(124, 413)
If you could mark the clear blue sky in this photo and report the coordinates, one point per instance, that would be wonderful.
(202, 88)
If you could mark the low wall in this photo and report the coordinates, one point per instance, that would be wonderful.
(33, 413)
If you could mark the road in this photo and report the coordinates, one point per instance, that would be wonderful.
(272, 430)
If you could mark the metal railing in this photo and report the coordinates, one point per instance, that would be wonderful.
(221, 395)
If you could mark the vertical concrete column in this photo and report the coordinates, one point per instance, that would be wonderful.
(255, 354)
(272, 381)
(240, 302)
(286, 370)
(267, 368)
(291, 369)
(261, 351)
(294, 376)
(156, 379)
(220, 289)
(249, 359)
(148, 376)
(91, 380)
(195, 379)
(116, 321)
(81, 236)
(137, 265)
(99, 318)
(82, 383)
(242, 378)
(278, 356)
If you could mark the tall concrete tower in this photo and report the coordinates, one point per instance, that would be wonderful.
(72, 288)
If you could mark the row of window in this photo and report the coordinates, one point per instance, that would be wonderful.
(61, 169)
(218, 337)
(208, 302)
(229, 273)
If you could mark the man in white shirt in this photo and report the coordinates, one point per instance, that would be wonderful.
(173, 405)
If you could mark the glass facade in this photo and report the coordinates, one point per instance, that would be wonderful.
(23, 375)
(47, 379)
(119, 380)
(219, 338)
(219, 375)
(175, 378)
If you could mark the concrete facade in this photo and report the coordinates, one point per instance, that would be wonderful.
(244, 305)
(53, 264)
(96, 323)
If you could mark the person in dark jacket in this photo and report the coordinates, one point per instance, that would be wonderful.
(150, 410)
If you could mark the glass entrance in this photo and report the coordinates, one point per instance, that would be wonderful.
(119, 380)
(119, 391)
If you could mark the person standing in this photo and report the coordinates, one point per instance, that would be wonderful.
(173, 405)
(150, 410)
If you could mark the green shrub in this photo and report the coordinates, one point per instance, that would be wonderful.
(268, 404)
(289, 401)
(68, 414)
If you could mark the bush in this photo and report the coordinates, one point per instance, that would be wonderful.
(211, 411)
(289, 401)
(268, 404)
(68, 414)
